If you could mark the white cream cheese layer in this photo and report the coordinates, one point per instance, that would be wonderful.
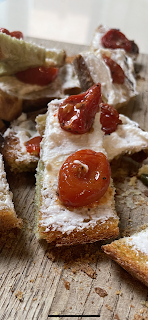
(56, 146)
(23, 130)
(5, 193)
(113, 93)
(139, 241)
(128, 138)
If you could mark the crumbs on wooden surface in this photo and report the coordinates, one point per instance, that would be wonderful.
(19, 295)
(101, 292)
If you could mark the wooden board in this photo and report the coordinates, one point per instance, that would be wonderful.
(41, 282)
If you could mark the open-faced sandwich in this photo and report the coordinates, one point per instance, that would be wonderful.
(8, 217)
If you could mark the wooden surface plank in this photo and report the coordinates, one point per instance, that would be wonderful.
(37, 280)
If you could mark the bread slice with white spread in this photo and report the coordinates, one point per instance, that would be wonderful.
(13, 147)
(56, 222)
(8, 217)
(131, 253)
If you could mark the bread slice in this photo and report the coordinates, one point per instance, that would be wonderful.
(17, 55)
(8, 217)
(13, 149)
(128, 139)
(96, 44)
(131, 253)
(55, 222)
(10, 107)
(91, 68)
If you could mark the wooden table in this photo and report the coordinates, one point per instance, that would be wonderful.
(41, 282)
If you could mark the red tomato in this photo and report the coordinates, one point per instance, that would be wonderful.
(117, 72)
(17, 34)
(41, 76)
(33, 146)
(3, 30)
(109, 118)
(83, 178)
(114, 39)
(76, 114)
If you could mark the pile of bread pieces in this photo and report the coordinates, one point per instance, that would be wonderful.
(56, 222)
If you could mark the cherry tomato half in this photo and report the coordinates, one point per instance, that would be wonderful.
(114, 39)
(117, 72)
(83, 178)
(17, 34)
(3, 30)
(41, 76)
(109, 118)
(33, 146)
(76, 114)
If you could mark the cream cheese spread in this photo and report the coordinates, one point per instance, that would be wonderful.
(5, 193)
(139, 241)
(112, 93)
(127, 139)
(56, 146)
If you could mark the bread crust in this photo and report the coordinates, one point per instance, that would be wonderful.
(132, 261)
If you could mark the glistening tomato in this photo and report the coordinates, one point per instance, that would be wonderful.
(76, 113)
(41, 76)
(117, 72)
(83, 178)
(114, 39)
(33, 145)
(16, 34)
(109, 118)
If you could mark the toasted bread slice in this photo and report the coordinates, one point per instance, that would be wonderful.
(55, 222)
(13, 147)
(91, 68)
(131, 253)
(96, 43)
(8, 217)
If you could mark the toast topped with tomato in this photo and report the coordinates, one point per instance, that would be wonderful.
(74, 191)
(8, 217)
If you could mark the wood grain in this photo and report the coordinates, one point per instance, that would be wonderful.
(37, 280)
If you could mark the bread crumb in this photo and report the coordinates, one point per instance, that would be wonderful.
(88, 270)
(31, 280)
(101, 292)
(133, 181)
(66, 284)
(116, 317)
(109, 307)
(19, 295)
(118, 292)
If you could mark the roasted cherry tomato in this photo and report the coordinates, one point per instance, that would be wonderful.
(33, 146)
(76, 114)
(41, 76)
(114, 39)
(117, 72)
(109, 118)
(17, 34)
(3, 30)
(83, 178)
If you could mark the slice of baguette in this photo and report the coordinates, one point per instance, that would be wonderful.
(13, 149)
(55, 222)
(91, 68)
(17, 55)
(10, 107)
(131, 253)
(128, 139)
(8, 217)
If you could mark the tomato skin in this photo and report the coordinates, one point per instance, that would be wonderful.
(17, 34)
(3, 30)
(33, 146)
(117, 72)
(79, 187)
(41, 76)
(76, 114)
(114, 39)
(109, 118)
